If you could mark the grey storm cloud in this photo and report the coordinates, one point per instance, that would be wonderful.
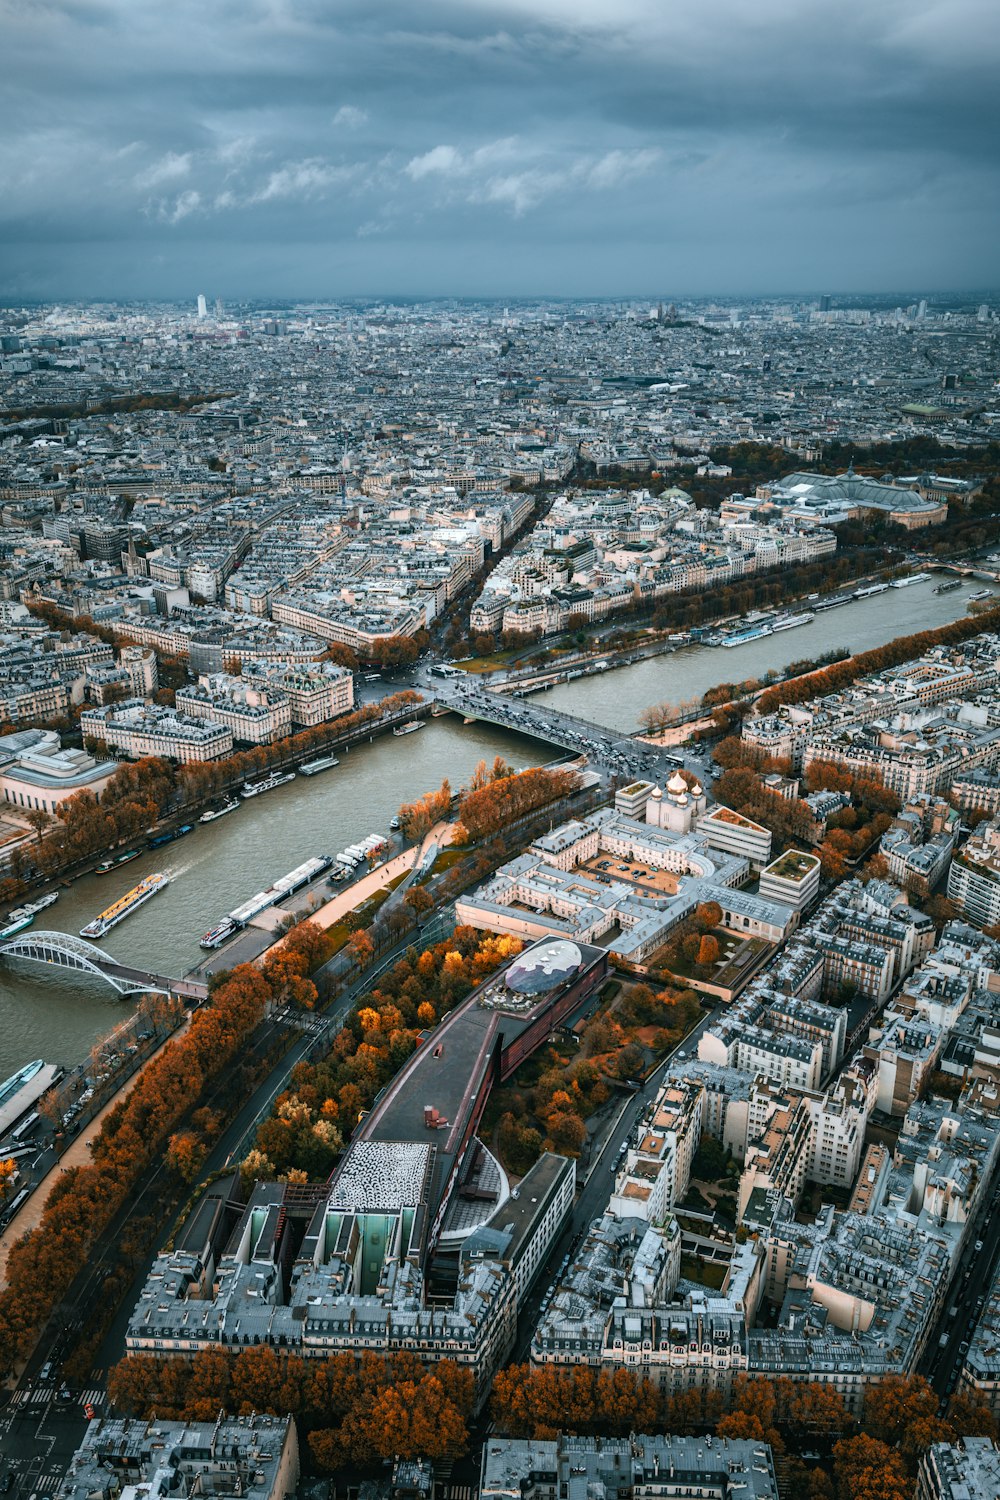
(293, 147)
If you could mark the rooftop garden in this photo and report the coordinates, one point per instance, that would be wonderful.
(792, 865)
(723, 960)
(726, 815)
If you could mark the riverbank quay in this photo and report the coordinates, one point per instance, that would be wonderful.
(603, 654)
(263, 934)
(150, 1146)
(221, 864)
(67, 1112)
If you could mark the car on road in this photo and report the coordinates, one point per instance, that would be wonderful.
(45, 1373)
(8, 1480)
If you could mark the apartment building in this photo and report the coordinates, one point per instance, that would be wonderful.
(977, 791)
(138, 728)
(778, 1149)
(316, 692)
(254, 1456)
(794, 1061)
(633, 1468)
(253, 715)
(974, 876)
(905, 1053)
(966, 1470)
(980, 1374)
(656, 1171)
(839, 1120)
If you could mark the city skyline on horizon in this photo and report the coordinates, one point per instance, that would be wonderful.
(263, 301)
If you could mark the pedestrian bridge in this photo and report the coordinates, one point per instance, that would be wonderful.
(64, 951)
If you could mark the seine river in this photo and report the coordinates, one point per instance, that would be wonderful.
(618, 699)
(58, 1017)
(45, 1013)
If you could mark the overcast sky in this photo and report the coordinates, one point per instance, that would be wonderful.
(321, 148)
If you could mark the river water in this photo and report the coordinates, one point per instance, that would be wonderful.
(618, 698)
(57, 1016)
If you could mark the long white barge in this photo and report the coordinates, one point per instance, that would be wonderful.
(125, 905)
(286, 886)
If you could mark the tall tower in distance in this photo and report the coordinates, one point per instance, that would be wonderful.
(202, 306)
(824, 303)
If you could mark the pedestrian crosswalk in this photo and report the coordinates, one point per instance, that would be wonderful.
(46, 1484)
(38, 1395)
(444, 1489)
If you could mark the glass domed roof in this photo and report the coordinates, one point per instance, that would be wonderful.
(542, 968)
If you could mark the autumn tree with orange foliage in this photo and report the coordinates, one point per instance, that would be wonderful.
(487, 809)
(8, 1168)
(970, 1416)
(353, 1412)
(361, 949)
(288, 964)
(541, 1402)
(866, 1469)
(418, 818)
(708, 951)
(902, 1411)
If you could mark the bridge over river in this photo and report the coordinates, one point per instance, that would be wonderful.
(608, 750)
(64, 951)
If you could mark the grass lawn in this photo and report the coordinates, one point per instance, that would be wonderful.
(493, 663)
(447, 858)
(378, 898)
(336, 936)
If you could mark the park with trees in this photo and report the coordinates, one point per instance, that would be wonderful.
(559, 1098)
(495, 797)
